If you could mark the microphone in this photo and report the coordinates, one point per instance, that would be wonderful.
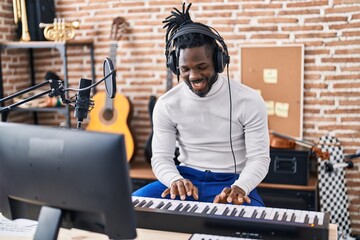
(110, 77)
(83, 101)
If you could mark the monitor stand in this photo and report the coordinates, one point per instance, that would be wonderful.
(48, 223)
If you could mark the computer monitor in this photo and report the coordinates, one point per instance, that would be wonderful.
(78, 179)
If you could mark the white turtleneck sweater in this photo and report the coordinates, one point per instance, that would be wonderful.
(201, 125)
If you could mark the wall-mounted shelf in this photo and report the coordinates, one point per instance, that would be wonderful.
(62, 48)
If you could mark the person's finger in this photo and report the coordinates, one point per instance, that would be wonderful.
(225, 192)
(173, 191)
(165, 193)
(181, 190)
(188, 187)
(217, 199)
(196, 193)
(232, 196)
(247, 199)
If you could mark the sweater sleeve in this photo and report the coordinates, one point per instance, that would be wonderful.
(256, 143)
(163, 145)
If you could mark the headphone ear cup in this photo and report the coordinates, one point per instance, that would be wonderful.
(171, 62)
(219, 60)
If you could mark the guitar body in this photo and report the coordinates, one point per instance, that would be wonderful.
(112, 120)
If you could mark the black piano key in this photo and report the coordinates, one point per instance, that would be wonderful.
(316, 220)
(276, 215)
(213, 210)
(306, 220)
(167, 206)
(160, 205)
(193, 209)
(187, 206)
(263, 214)
(148, 204)
(225, 212)
(293, 217)
(135, 202)
(141, 203)
(242, 212)
(233, 212)
(284, 217)
(254, 214)
(178, 207)
(206, 209)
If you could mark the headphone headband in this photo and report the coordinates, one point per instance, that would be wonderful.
(221, 56)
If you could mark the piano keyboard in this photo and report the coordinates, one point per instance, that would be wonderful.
(230, 220)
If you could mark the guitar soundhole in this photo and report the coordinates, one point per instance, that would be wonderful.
(108, 114)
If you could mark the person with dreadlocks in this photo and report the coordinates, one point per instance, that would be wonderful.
(221, 130)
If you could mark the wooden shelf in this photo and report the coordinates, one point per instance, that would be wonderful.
(141, 170)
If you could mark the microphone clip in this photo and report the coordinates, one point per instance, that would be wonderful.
(57, 89)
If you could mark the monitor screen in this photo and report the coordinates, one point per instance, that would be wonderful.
(78, 179)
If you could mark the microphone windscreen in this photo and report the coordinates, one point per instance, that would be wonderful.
(110, 81)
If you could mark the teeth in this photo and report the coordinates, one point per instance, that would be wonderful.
(197, 82)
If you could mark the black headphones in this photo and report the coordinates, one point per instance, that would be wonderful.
(220, 57)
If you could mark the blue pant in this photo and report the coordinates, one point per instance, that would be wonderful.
(209, 184)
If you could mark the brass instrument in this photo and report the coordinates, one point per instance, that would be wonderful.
(20, 15)
(59, 30)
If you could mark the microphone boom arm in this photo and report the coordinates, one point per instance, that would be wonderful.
(8, 108)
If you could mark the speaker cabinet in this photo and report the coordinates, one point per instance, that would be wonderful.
(39, 11)
(289, 198)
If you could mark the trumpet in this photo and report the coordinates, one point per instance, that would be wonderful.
(20, 15)
(59, 30)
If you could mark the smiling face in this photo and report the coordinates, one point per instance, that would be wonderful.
(196, 68)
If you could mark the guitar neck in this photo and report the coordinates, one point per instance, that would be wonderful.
(112, 54)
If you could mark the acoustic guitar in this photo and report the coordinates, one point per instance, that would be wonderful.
(113, 114)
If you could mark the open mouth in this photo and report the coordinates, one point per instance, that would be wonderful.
(198, 84)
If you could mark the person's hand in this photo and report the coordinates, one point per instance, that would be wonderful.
(233, 195)
(182, 188)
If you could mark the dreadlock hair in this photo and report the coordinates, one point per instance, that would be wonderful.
(175, 22)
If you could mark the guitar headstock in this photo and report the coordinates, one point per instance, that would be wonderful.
(118, 27)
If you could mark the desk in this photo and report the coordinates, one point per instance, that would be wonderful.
(143, 234)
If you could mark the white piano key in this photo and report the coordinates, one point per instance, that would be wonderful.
(297, 215)
(269, 212)
(249, 211)
(289, 214)
(156, 201)
(281, 212)
(220, 208)
(311, 217)
(320, 216)
(240, 211)
(302, 217)
(201, 207)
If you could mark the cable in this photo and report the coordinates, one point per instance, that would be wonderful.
(230, 113)
(231, 143)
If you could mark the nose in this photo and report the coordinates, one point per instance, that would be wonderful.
(194, 75)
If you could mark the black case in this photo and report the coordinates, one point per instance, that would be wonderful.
(39, 11)
(289, 166)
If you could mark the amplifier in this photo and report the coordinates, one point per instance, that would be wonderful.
(289, 166)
